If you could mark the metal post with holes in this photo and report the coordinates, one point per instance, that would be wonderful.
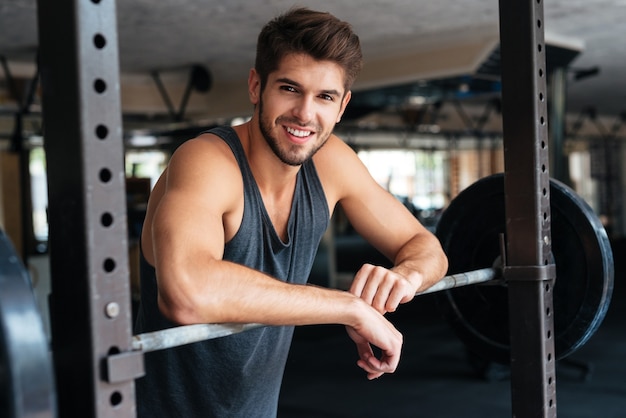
(90, 300)
(529, 268)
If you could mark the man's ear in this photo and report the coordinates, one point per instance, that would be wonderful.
(254, 86)
(344, 103)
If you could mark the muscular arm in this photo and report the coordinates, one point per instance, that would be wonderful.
(381, 219)
(202, 198)
(191, 213)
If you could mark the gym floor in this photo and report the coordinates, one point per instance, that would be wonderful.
(435, 378)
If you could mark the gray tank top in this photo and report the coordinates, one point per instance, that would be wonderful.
(237, 375)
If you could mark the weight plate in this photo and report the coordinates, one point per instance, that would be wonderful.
(470, 229)
(26, 379)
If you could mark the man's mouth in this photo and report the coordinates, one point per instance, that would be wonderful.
(300, 133)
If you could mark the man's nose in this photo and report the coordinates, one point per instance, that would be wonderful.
(304, 109)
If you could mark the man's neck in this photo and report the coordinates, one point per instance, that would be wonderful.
(271, 174)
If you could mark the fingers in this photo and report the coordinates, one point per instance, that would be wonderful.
(381, 288)
(387, 338)
(376, 367)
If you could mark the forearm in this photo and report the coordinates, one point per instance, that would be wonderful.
(422, 261)
(234, 293)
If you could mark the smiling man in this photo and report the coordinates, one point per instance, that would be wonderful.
(234, 223)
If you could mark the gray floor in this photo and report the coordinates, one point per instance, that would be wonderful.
(435, 378)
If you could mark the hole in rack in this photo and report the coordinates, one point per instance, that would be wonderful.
(102, 131)
(116, 398)
(99, 41)
(106, 219)
(109, 265)
(99, 85)
(105, 175)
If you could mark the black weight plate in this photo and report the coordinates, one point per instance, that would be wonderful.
(470, 229)
(26, 379)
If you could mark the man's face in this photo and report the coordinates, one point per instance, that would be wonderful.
(299, 106)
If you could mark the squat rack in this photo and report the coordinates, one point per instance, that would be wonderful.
(527, 206)
(90, 301)
(90, 310)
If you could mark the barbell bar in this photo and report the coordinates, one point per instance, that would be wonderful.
(187, 334)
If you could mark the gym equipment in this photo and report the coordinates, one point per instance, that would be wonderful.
(470, 231)
(173, 337)
(26, 378)
(88, 239)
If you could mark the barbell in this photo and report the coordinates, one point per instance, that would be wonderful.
(473, 296)
(471, 230)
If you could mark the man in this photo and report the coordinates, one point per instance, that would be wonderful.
(234, 222)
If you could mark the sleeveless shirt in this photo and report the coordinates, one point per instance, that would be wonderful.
(237, 375)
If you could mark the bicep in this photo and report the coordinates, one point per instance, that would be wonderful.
(187, 226)
(184, 227)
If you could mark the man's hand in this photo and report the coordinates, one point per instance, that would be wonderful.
(382, 288)
(378, 332)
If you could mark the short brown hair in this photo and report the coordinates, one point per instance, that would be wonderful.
(317, 34)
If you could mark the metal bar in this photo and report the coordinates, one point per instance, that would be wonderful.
(527, 205)
(10, 81)
(166, 97)
(187, 334)
(464, 279)
(90, 300)
(180, 115)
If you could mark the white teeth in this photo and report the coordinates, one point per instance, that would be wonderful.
(298, 133)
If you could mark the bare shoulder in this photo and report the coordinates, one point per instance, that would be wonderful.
(201, 161)
(203, 153)
(203, 173)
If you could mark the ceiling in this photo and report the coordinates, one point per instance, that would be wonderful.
(405, 42)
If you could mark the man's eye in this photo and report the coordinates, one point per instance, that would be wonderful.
(288, 88)
(326, 97)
